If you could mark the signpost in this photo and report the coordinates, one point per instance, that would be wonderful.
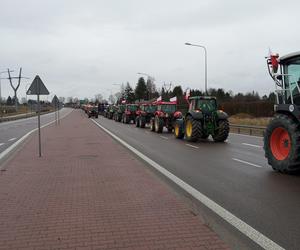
(55, 103)
(38, 88)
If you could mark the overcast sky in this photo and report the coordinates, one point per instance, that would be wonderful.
(81, 48)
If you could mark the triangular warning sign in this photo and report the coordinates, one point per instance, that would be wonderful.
(37, 87)
(55, 100)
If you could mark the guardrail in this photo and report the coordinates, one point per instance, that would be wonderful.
(16, 117)
(247, 129)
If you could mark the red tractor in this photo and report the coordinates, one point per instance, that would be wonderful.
(130, 113)
(164, 116)
(144, 114)
(282, 135)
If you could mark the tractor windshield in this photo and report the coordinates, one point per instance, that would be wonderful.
(168, 108)
(292, 80)
(206, 105)
(132, 107)
(150, 109)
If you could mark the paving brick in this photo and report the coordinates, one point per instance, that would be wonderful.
(88, 192)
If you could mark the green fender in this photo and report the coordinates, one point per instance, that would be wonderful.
(221, 115)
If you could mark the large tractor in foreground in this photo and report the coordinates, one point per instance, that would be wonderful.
(144, 114)
(164, 116)
(282, 135)
(202, 120)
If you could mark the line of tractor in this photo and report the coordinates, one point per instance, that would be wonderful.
(202, 118)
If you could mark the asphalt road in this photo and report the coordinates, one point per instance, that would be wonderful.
(11, 131)
(234, 174)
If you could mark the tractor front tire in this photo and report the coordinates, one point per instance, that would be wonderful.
(137, 121)
(192, 129)
(222, 132)
(178, 129)
(152, 125)
(142, 122)
(282, 144)
(159, 125)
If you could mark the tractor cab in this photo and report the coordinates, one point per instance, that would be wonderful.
(131, 107)
(167, 107)
(288, 79)
(204, 104)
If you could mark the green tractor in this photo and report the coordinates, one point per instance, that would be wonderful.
(119, 113)
(111, 110)
(202, 120)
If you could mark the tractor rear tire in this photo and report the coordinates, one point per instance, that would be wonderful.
(127, 119)
(142, 122)
(222, 131)
(178, 129)
(137, 121)
(159, 125)
(192, 129)
(152, 125)
(282, 144)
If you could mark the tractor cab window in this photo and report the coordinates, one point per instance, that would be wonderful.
(168, 108)
(292, 81)
(132, 107)
(150, 108)
(206, 105)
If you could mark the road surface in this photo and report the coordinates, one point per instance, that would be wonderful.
(234, 174)
(11, 131)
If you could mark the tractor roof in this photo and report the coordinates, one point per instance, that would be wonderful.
(164, 103)
(289, 56)
(202, 97)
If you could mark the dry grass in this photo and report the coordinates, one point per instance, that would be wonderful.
(245, 119)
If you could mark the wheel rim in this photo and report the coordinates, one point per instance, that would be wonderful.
(156, 124)
(280, 143)
(176, 129)
(189, 128)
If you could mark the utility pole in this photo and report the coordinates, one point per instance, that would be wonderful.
(15, 88)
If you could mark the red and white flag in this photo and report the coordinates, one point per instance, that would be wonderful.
(173, 99)
(187, 94)
(159, 99)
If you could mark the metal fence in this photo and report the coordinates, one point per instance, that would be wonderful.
(247, 129)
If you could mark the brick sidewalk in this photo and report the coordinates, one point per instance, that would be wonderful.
(88, 192)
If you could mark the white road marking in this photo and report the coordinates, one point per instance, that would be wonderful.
(246, 162)
(192, 146)
(252, 136)
(252, 145)
(242, 226)
(1, 144)
(12, 139)
(164, 137)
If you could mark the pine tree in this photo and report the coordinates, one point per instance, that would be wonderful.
(141, 89)
(129, 94)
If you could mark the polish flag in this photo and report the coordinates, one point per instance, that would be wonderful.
(159, 99)
(173, 99)
(187, 94)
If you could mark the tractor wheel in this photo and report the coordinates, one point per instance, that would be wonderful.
(137, 121)
(192, 129)
(158, 124)
(96, 116)
(178, 129)
(127, 120)
(170, 130)
(282, 144)
(222, 132)
(142, 122)
(152, 125)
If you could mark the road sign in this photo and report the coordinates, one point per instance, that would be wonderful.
(55, 103)
(55, 100)
(37, 87)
